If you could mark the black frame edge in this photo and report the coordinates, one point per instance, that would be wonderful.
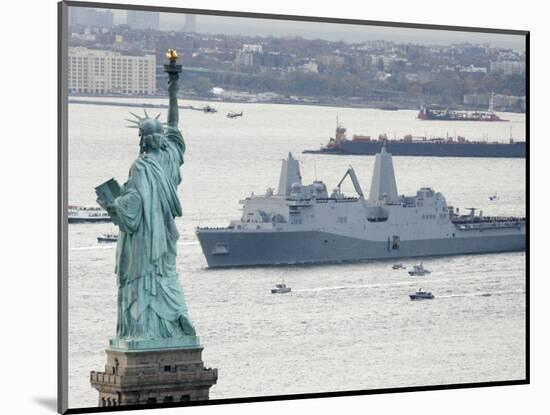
(62, 203)
(317, 19)
(275, 398)
(528, 211)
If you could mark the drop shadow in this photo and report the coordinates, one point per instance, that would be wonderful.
(47, 402)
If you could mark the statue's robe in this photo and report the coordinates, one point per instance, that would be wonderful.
(151, 302)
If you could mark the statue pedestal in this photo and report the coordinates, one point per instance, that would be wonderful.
(153, 376)
(140, 345)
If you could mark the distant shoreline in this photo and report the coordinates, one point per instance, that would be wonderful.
(81, 99)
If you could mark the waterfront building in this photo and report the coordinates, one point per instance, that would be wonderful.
(509, 102)
(332, 60)
(472, 69)
(508, 67)
(248, 55)
(310, 67)
(94, 71)
(476, 100)
(502, 102)
(252, 48)
(244, 58)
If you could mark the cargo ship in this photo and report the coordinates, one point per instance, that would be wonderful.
(420, 146)
(304, 224)
(444, 114)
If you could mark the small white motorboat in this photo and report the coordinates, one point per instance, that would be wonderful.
(422, 295)
(280, 289)
(419, 270)
(398, 266)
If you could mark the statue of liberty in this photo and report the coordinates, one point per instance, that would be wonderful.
(151, 306)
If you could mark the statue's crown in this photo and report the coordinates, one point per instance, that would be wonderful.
(146, 124)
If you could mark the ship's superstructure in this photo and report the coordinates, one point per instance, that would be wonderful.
(305, 224)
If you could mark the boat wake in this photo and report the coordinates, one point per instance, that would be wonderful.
(351, 287)
(482, 294)
(113, 246)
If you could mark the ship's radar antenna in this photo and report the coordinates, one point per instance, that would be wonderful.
(315, 169)
(491, 101)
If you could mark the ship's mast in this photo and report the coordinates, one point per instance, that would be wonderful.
(491, 102)
(383, 186)
(340, 131)
(290, 173)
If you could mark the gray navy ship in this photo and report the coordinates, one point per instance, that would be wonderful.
(304, 224)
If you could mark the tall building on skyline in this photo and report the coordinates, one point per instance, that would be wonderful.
(95, 71)
(138, 19)
(90, 17)
(190, 23)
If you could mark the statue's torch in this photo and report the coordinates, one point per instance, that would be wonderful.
(172, 68)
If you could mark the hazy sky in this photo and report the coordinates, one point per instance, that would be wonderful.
(331, 31)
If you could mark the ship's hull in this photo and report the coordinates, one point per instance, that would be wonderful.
(309, 247)
(415, 297)
(106, 240)
(457, 118)
(429, 149)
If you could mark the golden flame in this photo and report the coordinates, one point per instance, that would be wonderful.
(172, 55)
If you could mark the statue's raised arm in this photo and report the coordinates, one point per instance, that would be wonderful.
(175, 143)
(173, 71)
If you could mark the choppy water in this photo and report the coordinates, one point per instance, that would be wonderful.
(343, 327)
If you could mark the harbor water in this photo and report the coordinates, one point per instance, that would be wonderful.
(343, 326)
